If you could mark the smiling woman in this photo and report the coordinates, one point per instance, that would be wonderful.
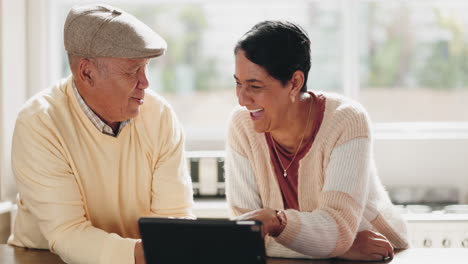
(301, 161)
(261, 88)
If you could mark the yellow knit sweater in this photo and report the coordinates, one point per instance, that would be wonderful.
(81, 192)
(339, 192)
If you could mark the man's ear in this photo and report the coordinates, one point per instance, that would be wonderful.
(86, 70)
(297, 81)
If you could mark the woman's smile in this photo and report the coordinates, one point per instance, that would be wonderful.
(256, 114)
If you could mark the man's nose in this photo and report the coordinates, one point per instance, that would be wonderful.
(142, 79)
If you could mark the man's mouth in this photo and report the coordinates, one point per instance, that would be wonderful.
(140, 100)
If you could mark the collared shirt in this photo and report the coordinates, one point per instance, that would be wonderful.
(96, 120)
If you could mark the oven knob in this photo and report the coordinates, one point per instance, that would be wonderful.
(465, 243)
(446, 243)
(427, 243)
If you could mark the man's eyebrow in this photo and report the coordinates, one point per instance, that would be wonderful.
(135, 65)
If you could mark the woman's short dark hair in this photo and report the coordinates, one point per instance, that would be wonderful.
(280, 47)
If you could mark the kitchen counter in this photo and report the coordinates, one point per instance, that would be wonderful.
(15, 255)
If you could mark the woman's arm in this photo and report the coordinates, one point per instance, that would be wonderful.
(329, 231)
(243, 196)
(241, 186)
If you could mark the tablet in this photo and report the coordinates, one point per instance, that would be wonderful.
(205, 241)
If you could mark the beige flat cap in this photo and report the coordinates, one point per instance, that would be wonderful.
(104, 31)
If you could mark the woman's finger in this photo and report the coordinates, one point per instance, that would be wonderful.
(375, 257)
(382, 251)
(387, 245)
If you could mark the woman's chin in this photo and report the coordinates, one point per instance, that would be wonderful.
(259, 128)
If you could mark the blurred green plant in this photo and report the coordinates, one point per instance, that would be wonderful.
(184, 67)
(447, 65)
(388, 60)
(438, 63)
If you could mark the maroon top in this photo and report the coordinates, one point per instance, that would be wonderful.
(288, 185)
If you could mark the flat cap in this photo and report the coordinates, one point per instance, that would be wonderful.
(104, 31)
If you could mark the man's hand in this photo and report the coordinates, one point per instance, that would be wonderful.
(267, 216)
(139, 254)
(369, 245)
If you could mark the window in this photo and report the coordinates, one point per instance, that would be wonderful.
(414, 60)
(405, 61)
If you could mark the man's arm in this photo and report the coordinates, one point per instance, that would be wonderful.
(172, 194)
(49, 190)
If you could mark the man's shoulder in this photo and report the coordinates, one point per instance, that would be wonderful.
(44, 103)
(156, 114)
(155, 104)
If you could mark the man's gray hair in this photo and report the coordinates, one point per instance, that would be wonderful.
(101, 63)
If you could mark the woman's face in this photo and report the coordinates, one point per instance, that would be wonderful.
(265, 97)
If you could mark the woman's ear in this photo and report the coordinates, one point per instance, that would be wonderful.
(297, 81)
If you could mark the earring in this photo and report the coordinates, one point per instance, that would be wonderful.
(293, 99)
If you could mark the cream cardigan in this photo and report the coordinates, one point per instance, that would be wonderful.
(339, 191)
(81, 192)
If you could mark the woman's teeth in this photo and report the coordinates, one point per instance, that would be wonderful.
(256, 113)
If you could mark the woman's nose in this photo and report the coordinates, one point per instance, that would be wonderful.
(243, 97)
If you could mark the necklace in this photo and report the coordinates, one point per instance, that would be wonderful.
(285, 173)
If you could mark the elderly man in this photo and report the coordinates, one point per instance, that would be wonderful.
(97, 151)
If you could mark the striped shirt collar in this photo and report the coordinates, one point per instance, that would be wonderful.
(96, 120)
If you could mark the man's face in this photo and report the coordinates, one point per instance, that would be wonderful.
(119, 88)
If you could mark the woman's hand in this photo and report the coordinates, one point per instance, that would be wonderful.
(270, 222)
(369, 245)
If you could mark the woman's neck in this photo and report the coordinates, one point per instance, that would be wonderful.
(290, 135)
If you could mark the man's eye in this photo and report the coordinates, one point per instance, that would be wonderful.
(256, 87)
